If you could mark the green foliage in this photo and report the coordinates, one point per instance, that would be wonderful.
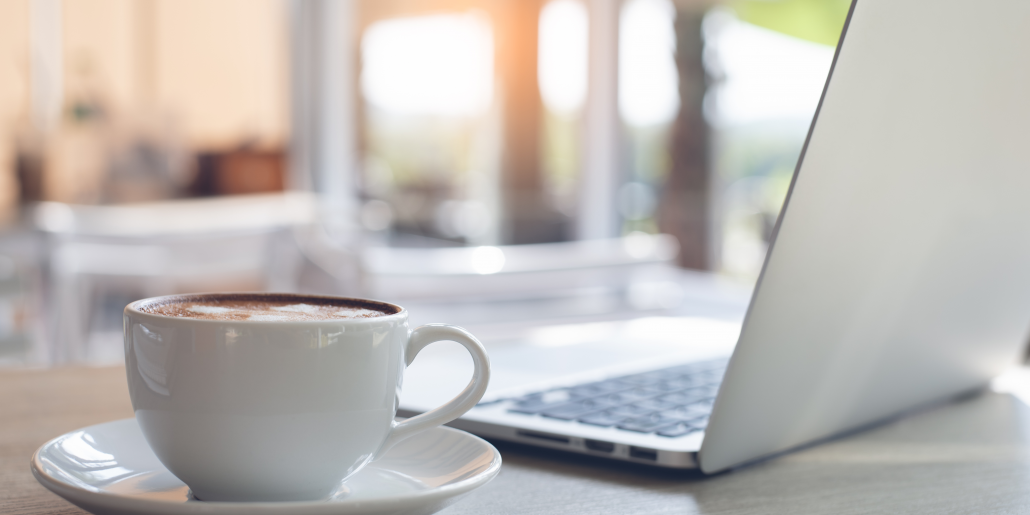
(819, 21)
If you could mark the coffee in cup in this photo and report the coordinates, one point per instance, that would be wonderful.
(268, 308)
(277, 397)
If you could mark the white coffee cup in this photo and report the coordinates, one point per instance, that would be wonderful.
(278, 410)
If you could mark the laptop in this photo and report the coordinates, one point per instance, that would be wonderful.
(898, 276)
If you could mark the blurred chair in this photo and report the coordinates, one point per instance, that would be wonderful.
(102, 257)
(20, 299)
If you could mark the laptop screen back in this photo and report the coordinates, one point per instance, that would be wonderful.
(900, 270)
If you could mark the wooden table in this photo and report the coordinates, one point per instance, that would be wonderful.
(969, 457)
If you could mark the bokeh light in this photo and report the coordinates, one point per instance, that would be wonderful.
(563, 55)
(648, 81)
(429, 65)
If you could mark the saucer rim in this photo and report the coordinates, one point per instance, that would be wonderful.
(75, 495)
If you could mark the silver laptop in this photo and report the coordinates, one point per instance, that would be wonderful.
(899, 274)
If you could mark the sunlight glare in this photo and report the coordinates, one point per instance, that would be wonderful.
(648, 80)
(487, 260)
(563, 55)
(429, 65)
(768, 75)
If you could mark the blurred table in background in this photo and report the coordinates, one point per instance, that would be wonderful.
(968, 457)
(65, 278)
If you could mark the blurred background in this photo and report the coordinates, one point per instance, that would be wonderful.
(495, 163)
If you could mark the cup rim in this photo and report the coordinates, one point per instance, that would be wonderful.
(398, 311)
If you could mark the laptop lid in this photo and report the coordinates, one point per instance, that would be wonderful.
(900, 270)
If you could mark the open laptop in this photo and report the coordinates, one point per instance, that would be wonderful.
(899, 274)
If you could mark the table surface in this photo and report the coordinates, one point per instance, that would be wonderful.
(968, 457)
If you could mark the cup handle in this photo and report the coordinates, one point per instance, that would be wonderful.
(456, 407)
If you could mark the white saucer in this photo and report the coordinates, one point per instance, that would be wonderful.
(108, 469)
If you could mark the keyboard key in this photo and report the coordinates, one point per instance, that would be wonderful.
(673, 385)
(710, 401)
(710, 378)
(602, 418)
(627, 396)
(655, 404)
(598, 388)
(688, 412)
(630, 410)
(573, 410)
(689, 396)
(647, 424)
(677, 429)
(535, 403)
(669, 375)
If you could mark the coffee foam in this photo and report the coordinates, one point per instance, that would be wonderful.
(207, 310)
(263, 310)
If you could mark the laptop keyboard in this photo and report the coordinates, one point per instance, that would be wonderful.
(670, 402)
